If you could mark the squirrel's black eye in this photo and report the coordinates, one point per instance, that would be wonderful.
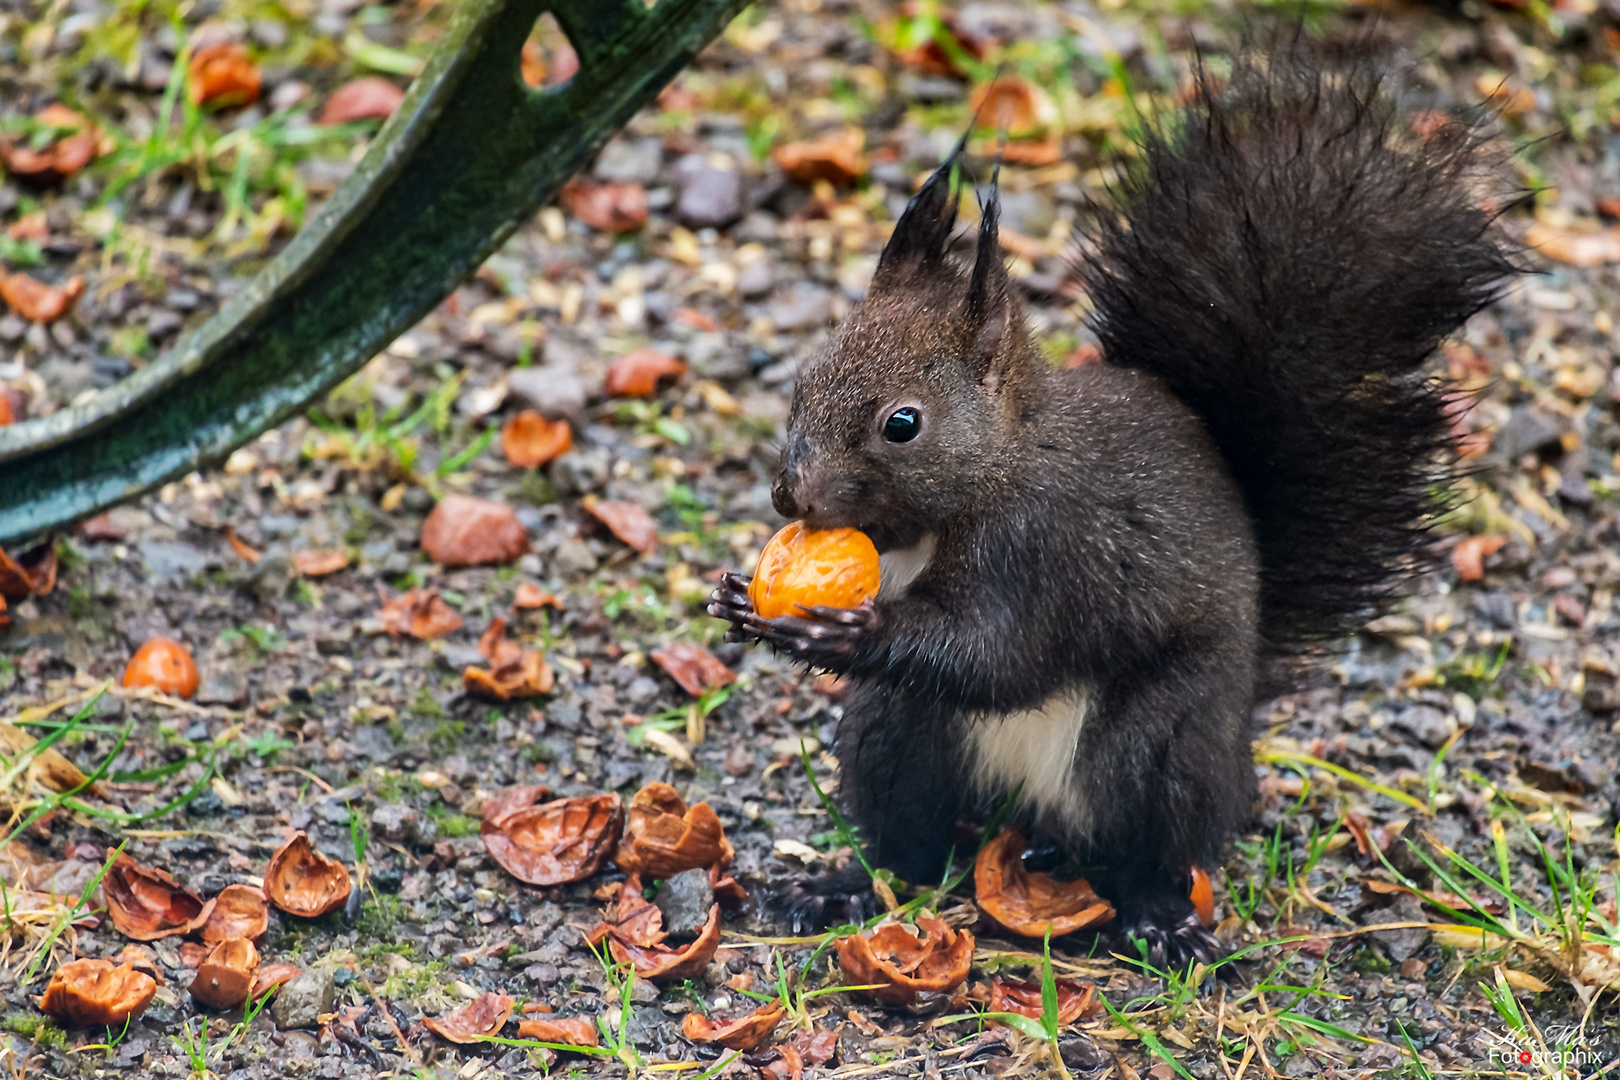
(902, 425)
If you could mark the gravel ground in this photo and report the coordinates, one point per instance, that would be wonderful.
(1475, 719)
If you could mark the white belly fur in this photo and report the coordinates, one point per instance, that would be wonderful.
(897, 569)
(1034, 748)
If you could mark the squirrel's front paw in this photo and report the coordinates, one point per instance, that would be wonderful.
(822, 636)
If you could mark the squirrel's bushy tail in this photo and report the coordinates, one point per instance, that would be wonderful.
(1286, 256)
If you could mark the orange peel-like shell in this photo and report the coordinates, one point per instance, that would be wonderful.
(165, 665)
(658, 961)
(239, 911)
(556, 842)
(529, 440)
(146, 904)
(227, 974)
(301, 881)
(223, 72)
(1031, 904)
(273, 975)
(814, 567)
(469, 1023)
(900, 963)
(419, 613)
(625, 520)
(665, 836)
(1202, 896)
(96, 993)
(744, 1033)
(318, 562)
(637, 373)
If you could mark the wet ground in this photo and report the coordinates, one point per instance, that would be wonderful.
(1471, 727)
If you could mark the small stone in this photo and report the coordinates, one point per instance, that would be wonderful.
(630, 161)
(755, 279)
(395, 821)
(581, 470)
(555, 392)
(709, 196)
(686, 900)
(300, 1003)
(228, 687)
(800, 307)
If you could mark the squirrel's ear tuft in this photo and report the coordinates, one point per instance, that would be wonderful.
(920, 236)
(988, 304)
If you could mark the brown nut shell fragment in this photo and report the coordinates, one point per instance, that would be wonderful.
(637, 373)
(659, 961)
(239, 911)
(900, 962)
(664, 836)
(319, 562)
(227, 974)
(465, 531)
(559, 841)
(625, 520)
(509, 800)
(146, 904)
(568, 1031)
(274, 975)
(744, 1033)
(1074, 1000)
(695, 668)
(1030, 904)
(529, 440)
(301, 881)
(469, 1023)
(31, 574)
(1202, 895)
(96, 993)
(419, 613)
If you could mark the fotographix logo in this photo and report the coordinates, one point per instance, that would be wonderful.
(1561, 1046)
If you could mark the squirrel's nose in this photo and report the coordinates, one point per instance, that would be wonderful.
(784, 499)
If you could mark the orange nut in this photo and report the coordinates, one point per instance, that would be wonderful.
(164, 664)
(806, 568)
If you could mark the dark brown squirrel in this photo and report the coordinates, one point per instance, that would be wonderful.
(1088, 572)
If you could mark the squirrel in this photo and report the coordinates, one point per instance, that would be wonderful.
(1088, 574)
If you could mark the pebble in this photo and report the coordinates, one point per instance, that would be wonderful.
(709, 196)
(800, 307)
(554, 391)
(301, 1002)
(630, 161)
(686, 900)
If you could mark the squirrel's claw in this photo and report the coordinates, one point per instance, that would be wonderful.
(818, 635)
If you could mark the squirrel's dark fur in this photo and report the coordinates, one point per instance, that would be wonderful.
(1086, 571)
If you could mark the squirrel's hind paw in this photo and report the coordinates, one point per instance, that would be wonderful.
(1175, 943)
(838, 898)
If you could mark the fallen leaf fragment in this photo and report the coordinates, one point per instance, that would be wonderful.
(556, 842)
(483, 1015)
(837, 157)
(929, 55)
(901, 961)
(627, 521)
(146, 904)
(514, 671)
(223, 74)
(163, 664)
(79, 144)
(272, 976)
(1584, 250)
(530, 596)
(529, 440)
(788, 1066)
(239, 911)
(227, 974)
(320, 561)
(665, 837)
(1074, 1000)
(420, 613)
(301, 881)
(97, 993)
(33, 574)
(568, 1031)
(695, 668)
(743, 1033)
(36, 301)
(467, 531)
(1468, 557)
(614, 207)
(48, 765)
(1031, 904)
(365, 98)
(637, 373)
(635, 935)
